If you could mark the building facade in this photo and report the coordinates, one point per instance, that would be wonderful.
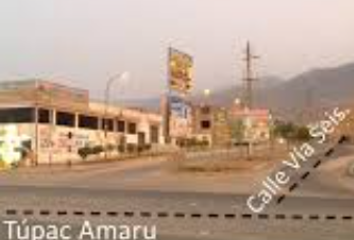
(210, 124)
(53, 122)
(250, 125)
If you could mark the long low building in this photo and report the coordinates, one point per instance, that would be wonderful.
(52, 122)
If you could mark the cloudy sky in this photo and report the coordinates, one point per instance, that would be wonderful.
(84, 42)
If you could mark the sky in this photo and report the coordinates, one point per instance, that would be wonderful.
(83, 43)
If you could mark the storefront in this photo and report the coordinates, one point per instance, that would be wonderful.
(47, 123)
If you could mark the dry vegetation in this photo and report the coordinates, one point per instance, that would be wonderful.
(234, 160)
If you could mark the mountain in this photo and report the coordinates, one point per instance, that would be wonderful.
(314, 91)
(151, 104)
(304, 96)
(226, 96)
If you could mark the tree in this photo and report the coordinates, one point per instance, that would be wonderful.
(238, 130)
(285, 130)
(291, 131)
(303, 134)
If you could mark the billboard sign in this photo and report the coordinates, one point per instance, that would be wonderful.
(180, 71)
(179, 107)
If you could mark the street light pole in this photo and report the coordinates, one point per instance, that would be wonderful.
(109, 84)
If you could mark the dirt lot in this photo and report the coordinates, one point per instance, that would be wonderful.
(229, 160)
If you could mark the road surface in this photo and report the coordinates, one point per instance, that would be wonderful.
(116, 194)
(182, 215)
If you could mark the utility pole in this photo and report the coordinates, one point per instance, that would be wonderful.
(249, 77)
(165, 101)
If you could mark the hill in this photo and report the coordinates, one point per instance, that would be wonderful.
(304, 96)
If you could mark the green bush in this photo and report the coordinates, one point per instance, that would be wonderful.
(291, 131)
(121, 148)
(97, 150)
(147, 147)
(110, 147)
(131, 148)
(86, 151)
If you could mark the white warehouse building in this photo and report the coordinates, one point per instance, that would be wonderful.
(53, 122)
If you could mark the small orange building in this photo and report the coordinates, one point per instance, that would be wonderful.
(250, 125)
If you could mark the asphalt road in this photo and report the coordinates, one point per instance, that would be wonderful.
(182, 215)
(178, 215)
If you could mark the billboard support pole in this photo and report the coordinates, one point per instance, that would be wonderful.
(36, 127)
(166, 101)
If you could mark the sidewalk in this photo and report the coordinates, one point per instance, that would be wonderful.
(123, 164)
